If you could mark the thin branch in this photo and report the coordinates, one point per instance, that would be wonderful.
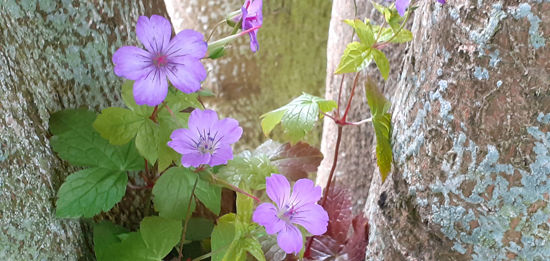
(351, 96)
(187, 216)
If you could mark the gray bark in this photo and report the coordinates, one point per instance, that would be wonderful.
(471, 115)
(53, 55)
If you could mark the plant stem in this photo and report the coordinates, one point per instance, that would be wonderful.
(340, 96)
(154, 114)
(351, 97)
(233, 187)
(187, 216)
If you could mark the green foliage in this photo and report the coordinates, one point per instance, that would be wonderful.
(382, 63)
(105, 235)
(120, 125)
(297, 117)
(364, 31)
(381, 120)
(172, 192)
(89, 191)
(78, 143)
(248, 168)
(199, 229)
(156, 238)
(356, 57)
(210, 195)
(232, 238)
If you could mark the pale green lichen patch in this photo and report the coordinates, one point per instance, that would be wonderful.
(536, 38)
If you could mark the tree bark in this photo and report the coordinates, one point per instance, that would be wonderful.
(53, 55)
(471, 141)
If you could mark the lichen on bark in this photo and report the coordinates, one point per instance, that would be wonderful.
(53, 55)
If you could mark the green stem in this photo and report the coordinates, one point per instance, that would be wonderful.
(233, 187)
(187, 216)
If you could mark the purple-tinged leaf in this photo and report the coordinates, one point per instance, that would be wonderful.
(357, 244)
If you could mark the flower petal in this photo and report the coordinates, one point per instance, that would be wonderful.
(183, 141)
(186, 75)
(255, 10)
(154, 33)
(278, 189)
(305, 192)
(202, 120)
(195, 159)
(188, 43)
(266, 215)
(221, 155)
(312, 217)
(132, 62)
(151, 89)
(229, 129)
(290, 239)
(401, 6)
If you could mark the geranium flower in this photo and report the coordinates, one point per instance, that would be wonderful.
(177, 58)
(299, 208)
(207, 140)
(251, 13)
(402, 5)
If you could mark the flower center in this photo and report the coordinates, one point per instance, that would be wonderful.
(207, 142)
(160, 61)
(286, 213)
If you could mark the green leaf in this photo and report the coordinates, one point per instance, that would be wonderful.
(128, 97)
(210, 195)
(147, 140)
(381, 120)
(118, 125)
(297, 117)
(76, 141)
(90, 191)
(223, 236)
(387, 34)
(218, 53)
(132, 248)
(178, 100)
(364, 31)
(106, 235)
(199, 229)
(356, 57)
(382, 63)
(160, 235)
(167, 125)
(245, 207)
(172, 192)
(252, 246)
(249, 169)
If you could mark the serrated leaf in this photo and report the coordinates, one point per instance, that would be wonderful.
(271, 249)
(90, 191)
(147, 140)
(381, 120)
(222, 236)
(382, 63)
(118, 125)
(402, 36)
(210, 195)
(76, 141)
(356, 245)
(298, 117)
(293, 161)
(132, 248)
(160, 235)
(356, 57)
(364, 31)
(106, 235)
(178, 100)
(249, 169)
(172, 192)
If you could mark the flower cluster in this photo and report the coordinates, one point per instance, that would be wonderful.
(299, 208)
(207, 140)
(177, 58)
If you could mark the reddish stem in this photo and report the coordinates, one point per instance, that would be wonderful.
(340, 96)
(351, 97)
(154, 114)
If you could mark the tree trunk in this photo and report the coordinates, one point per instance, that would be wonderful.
(53, 55)
(291, 58)
(471, 141)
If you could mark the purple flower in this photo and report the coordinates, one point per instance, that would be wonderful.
(300, 208)
(252, 17)
(207, 140)
(178, 59)
(402, 5)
